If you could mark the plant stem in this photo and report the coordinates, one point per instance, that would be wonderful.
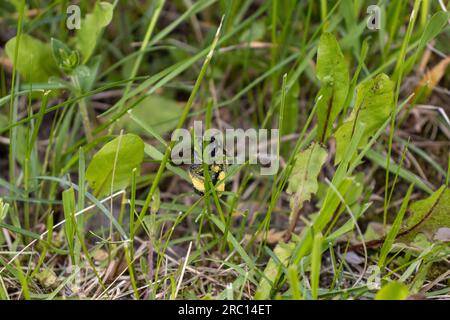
(85, 119)
(183, 117)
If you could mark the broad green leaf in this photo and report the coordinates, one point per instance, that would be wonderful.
(283, 252)
(34, 59)
(303, 179)
(116, 159)
(427, 216)
(155, 113)
(332, 71)
(91, 28)
(372, 107)
(393, 291)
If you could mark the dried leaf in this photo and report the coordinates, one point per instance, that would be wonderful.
(100, 255)
(430, 80)
(442, 234)
(273, 237)
(46, 277)
(353, 258)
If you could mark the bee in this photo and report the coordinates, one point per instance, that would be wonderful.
(216, 172)
(216, 169)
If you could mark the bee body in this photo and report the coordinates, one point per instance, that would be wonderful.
(216, 172)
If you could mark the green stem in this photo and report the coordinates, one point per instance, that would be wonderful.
(85, 119)
(143, 48)
(183, 117)
(12, 117)
(398, 74)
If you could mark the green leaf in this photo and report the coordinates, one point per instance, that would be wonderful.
(380, 160)
(393, 231)
(372, 107)
(303, 179)
(4, 207)
(234, 243)
(255, 32)
(21, 144)
(65, 58)
(332, 71)
(290, 119)
(283, 252)
(294, 282)
(20, 231)
(427, 216)
(21, 138)
(85, 75)
(155, 114)
(91, 28)
(34, 59)
(437, 22)
(393, 291)
(316, 261)
(331, 203)
(116, 159)
(155, 154)
(68, 198)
